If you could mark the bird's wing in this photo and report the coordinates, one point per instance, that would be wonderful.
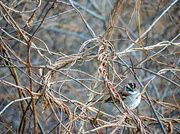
(121, 94)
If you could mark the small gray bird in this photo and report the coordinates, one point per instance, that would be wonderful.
(131, 97)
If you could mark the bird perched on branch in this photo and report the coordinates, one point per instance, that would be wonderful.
(130, 96)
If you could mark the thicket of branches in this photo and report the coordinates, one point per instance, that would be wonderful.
(56, 56)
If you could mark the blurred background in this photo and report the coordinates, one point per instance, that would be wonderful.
(66, 53)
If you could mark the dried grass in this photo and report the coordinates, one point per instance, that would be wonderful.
(57, 56)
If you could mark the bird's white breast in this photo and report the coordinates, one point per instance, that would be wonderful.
(136, 102)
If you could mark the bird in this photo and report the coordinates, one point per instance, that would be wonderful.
(130, 96)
